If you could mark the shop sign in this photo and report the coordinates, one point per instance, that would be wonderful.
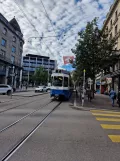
(109, 80)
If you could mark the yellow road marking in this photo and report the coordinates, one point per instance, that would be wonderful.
(115, 138)
(107, 119)
(107, 126)
(105, 111)
(102, 114)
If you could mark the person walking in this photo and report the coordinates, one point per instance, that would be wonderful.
(118, 98)
(112, 96)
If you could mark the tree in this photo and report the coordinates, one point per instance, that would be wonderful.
(41, 76)
(94, 51)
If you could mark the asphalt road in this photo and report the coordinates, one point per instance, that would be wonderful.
(65, 135)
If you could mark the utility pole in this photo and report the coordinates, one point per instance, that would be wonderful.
(83, 95)
(48, 69)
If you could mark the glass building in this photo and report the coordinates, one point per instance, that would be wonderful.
(32, 62)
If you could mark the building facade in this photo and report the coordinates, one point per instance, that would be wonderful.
(112, 27)
(32, 62)
(11, 48)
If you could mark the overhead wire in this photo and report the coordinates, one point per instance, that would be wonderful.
(31, 23)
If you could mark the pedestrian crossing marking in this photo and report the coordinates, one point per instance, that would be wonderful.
(109, 116)
(110, 127)
(105, 111)
(115, 138)
(103, 114)
(107, 119)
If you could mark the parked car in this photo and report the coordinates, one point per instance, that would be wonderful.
(5, 89)
(41, 89)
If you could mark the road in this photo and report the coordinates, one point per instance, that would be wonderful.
(41, 129)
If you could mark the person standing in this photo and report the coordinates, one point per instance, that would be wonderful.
(89, 93)
(112, 96)
(118, 98)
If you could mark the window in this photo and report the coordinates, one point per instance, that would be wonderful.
(111, 23)
(111, 36)
(21, 44)
(20, 52)
(13, 49)
(107, 29)
(57, 81)
(116, 14)
(3, 86)
(14, 39)
(65, 81)
(115, 29)
(2, 52)
(3, 43)
(12, 59)
(4, 31)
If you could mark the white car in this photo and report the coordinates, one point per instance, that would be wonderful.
(5, 89)
(41, 89)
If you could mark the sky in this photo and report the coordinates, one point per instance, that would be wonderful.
(50, 27)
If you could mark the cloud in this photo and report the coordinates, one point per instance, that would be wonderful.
(67, 16)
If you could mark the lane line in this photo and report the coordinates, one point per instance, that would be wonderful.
(107, 119)
(110, 127)
(114, 138)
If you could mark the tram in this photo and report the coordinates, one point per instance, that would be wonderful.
(61, 84)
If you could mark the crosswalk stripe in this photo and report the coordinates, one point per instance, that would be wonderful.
(107, 119)
(115, 138)
(112, 127)
(103, 114)
(105, 111)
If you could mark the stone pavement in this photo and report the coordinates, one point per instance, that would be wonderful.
(99, 102)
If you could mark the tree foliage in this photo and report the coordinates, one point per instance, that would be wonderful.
(93, 51)
(41, 76)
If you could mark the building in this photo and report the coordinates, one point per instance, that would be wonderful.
(112, 27)
(11, 48)
(32, 62)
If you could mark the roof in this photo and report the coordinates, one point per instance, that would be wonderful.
(15, 24)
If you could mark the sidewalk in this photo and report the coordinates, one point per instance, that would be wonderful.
(99, 102)
(24, 89)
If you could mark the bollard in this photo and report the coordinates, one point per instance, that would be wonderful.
(82, 100)
(75, 104)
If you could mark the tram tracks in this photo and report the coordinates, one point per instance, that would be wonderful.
(22, 118)
(22, 140)
(13, 107)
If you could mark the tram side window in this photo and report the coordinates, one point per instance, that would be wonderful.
(58, 81)
(65, 81)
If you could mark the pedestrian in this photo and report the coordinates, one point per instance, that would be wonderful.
(89, 93)
(118, 98)
(112, 96)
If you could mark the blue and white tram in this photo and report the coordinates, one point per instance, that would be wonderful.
(61, 84)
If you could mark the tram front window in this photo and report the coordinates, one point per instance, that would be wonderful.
(57, 81)
(65, 81)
